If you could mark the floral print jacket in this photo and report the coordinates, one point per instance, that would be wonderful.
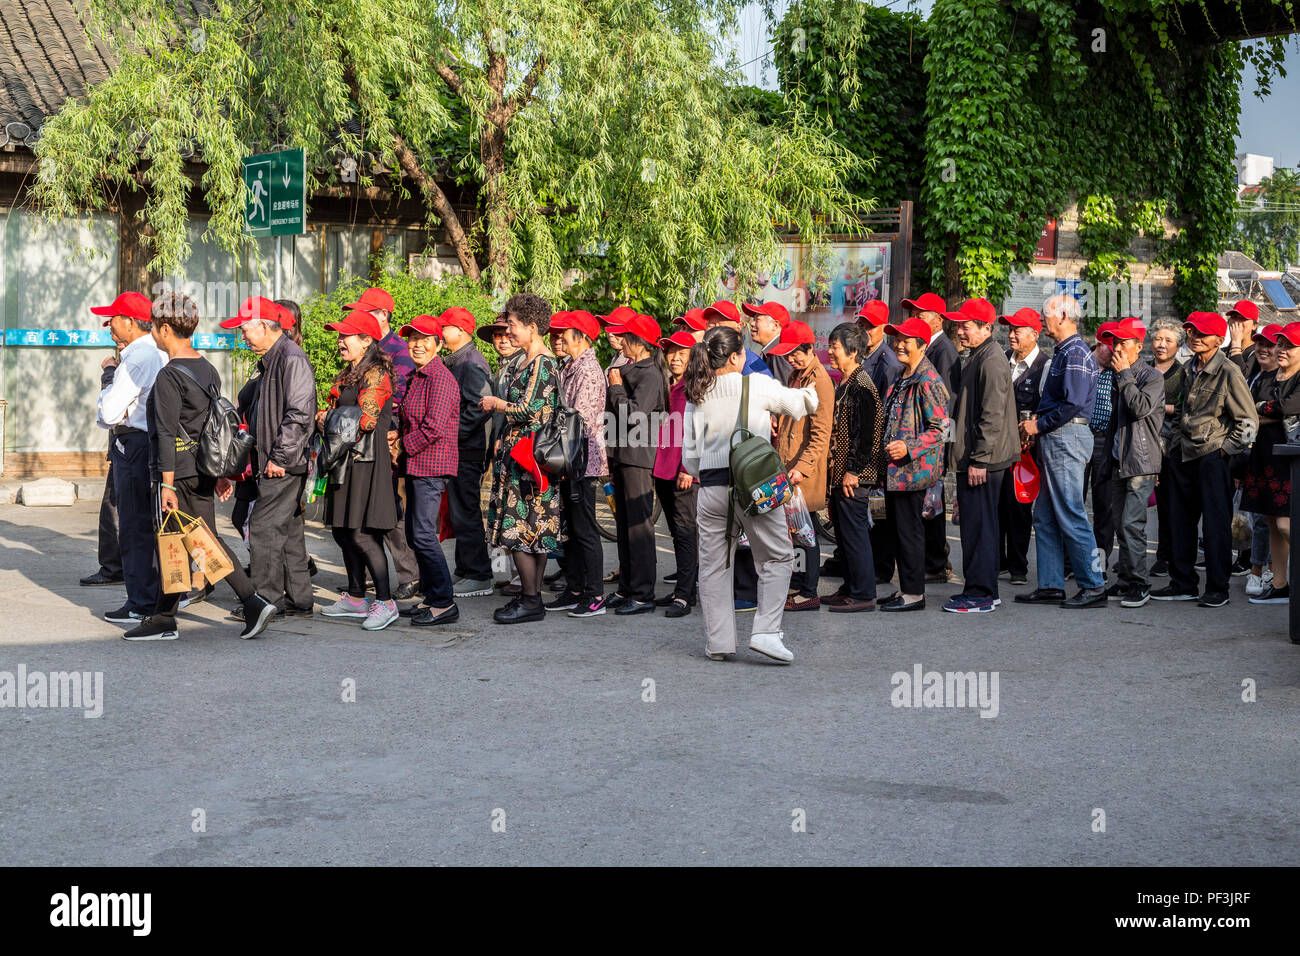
(916, 413)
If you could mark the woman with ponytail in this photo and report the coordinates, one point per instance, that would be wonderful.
(713, 391)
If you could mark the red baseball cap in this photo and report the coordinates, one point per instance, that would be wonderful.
(1246, 309)
(373, 298)
(792, 336)
(1207, 323)
(642, 326)
(1025, 318)
(1290, 332)
(1105, 329)
(916, 327)
(257, 308)
(929, 302)
(131, 304)
(356, 322)
(584, 322)
(773, 310)
(874, 312)
(693, 319)
(620, 315)
(681, 340)
(1129, 328)
(463, 319)
(723, 310)
(424, 324)
(974, 310)
(1267, 334)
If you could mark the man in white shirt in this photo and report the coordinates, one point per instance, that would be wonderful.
(1028, 366)
(123, 411)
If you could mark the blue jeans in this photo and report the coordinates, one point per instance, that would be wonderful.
(1060, 519)
(423, 503)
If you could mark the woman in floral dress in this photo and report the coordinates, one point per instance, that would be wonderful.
(524, 511)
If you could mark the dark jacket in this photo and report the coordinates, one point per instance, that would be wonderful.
(1029, 387)
(942, 354)
(1246, 361)
(633, 403)
(1175, 385)
(1139, 417)
(778, 365)
(883, 366)
(1217, 412)
(284, 409)
(470, 369)
(984, 419)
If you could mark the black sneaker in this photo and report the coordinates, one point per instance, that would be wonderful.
(1136, 596)
(1240, 568)
(258, 612)
(1117, 591)
(1013, 580)
(124, 615)
(100, 579)
(1171, 593)
(670, 578)
(157, 627)
(566, 601)
(1213, 599)
(589, 607)
(1273, 595)
(1160, 569)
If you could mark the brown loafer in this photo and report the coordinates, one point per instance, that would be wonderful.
(797, 603)
(834, 599)
(852, 605)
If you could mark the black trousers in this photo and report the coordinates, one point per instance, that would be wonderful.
(584, 556)
(903, 510)
(1164, 519)
(363, 552)
(465, 509)
(882, 548)
(744, 577)
(194, 497)
(634, 502)
(277, 544)
(978, 505)
(852, 517)
(408, 569)
(1201, 490)
(1015, 523)
(110, 552)
(679, 510)
(1100, 478)
(137, 505)
(936, 543)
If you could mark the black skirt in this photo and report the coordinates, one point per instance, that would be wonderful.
(366, 499)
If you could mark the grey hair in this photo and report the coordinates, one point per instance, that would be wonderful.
(1066, 306)
(1168, 325)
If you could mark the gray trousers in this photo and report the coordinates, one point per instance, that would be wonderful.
(276, 546)
(408, 569)
(1130, 497)
(769, 539)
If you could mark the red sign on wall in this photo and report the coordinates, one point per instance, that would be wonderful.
(1046, 251)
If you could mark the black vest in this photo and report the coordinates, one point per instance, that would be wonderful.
(1029, 386)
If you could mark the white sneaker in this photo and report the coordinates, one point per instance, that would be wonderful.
(382, 613)
(347, 606)
(769, 645)
(1266, 577)
(1254, 585)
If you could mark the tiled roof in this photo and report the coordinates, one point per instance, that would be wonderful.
(1238, 262)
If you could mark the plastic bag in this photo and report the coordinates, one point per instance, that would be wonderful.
(933, 501)
(799, 520)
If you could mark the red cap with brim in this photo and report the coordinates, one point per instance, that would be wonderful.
(874, 312)
(974, 310)
(915, 327)
(929, 302)
(1246, 309)
(773, 310)
(356, 323)
(693, 319)
(1125, 329)
(722, 311)
(618, 316)
(131, 304)
(258, 308)
(1267, 335)
(373, 298)
(424, 325)
(463, 319)
(1104, 330)
(1290, 332)
(1207, 323)
(792, 336)
(584, 322)
(1025, 318)
(522, 453)
(642, 326)
(679, 340)
(1024, 474)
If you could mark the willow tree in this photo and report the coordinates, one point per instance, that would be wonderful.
(582, 124)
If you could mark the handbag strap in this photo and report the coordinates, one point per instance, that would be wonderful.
(742, 427)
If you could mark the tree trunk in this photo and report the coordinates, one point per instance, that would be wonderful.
(492, 149)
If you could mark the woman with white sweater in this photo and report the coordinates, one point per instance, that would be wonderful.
(713, 379)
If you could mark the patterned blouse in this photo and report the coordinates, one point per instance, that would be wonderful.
(582, 383)
(856, 445)
(376, 392)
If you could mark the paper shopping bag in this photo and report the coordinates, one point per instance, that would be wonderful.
(173, 558)
(206, 550)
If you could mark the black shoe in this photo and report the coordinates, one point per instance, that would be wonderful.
(516, 613)
(294, 610)
(100, 578)
(553, 576)
(1160, 569)
(311, 567)
(1137, 596)
(124, 615)
(666, 600)
(426, 618)
(1171, 593)
(616, 601)
(635, 607)
(1240, 568)
(558, 586)
(407, 591)
(1273, 595)
(1017, 579)
(895, 604)
(939, 577)
(410, 610)
(1041, 596)
(1087, 597)
(1213, 599)
(670, 578)
(157, 627)
(1117, 591)
(612, 577)
(567, 601)
(197, 596)
(258, 612)
(677, 608)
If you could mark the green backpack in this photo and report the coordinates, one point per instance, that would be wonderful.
(757, 474)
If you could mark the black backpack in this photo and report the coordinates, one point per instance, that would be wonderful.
(225, 444)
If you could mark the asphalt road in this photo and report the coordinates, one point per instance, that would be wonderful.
(540, 746)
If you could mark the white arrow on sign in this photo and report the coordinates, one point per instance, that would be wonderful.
(286, 175)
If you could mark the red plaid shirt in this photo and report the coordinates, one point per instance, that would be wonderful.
(430, 421)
